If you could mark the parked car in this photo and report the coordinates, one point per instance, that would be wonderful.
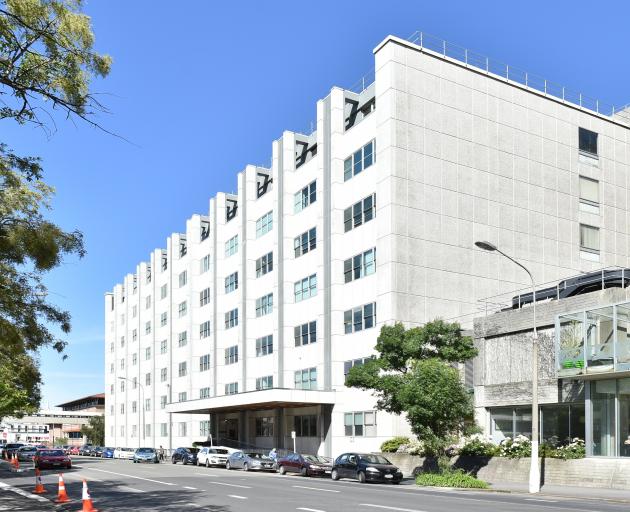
(85, 449)
(211, 456)
(306, 465)
(107, 453)
(365, 467)
(73, 450)
(250, 461)
(185, 456)
(52, 459)
(26, 453)
(124, 453)
(146, 455)
(10, 449)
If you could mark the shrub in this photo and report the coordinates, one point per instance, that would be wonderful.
(515, 448)
(392, 445)
(477, 446)
(574, 450)
(451, 478)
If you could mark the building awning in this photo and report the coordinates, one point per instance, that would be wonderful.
(254, 400)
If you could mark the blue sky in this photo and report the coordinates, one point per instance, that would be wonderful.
(202, 88)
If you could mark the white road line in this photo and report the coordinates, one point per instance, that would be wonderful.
(313, 488)
(130, 489)
(7, 487)
(237, 496)
(310, 509)
(191, 488)
(540, 499)
(385, 507)
(232, 485)
(131, 476)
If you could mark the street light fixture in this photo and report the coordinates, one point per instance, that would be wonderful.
(142, 406)
(534, 471)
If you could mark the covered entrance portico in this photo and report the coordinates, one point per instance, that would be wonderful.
(266, 419)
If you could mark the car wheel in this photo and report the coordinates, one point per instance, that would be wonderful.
(184, 462)
(207, 463)
(246, 467)
(334, 474)
(304, 471)
(228, 466)
(361, 477)
(282, 470)
(173, 460)
(395, 483)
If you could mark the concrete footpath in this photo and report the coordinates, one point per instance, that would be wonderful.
(565, 491)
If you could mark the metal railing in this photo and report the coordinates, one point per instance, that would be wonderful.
(509, 73)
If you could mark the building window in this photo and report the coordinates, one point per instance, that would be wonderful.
(305, 334)
(231, 282)
(359, 213)
(134, 335)
(163, 291)
(182, 337)
(181, 429)
(182, 309)
(122, 341)
(134, 311)
(589, 239)
(122, 385)
(231, 246)
(589, 195)
(204, 363)
(357, 319)
(134, 430)
(204, 297)
(164, 429)
(264, 305)
(134, 359)
(231, 319)
(204, 428)
(305, 288)
(360, 160)
(163, 402)
(204, 330)
(163, 347)
(147, 353)
(305, 426)
(588, 141)
(264, 264)
(111, 347)
(204, 264)
(163, 319)
(147, 328)
(111, 368)
(182, 370)
(182, 396)
(204, 393)
(183, 278)
(306, 379)
(305, 242)
(231, 388)
(163, 375)
(305, 197)
(264, 427)
(354, 362)
(264, 224)
(122, 364)
(147, 404)
(147, 302)
(134, 383)
(264, 345)
(231, 355)
(359, 424)
(122, 430)
(360, 265)
(264, 382)
(147, 379)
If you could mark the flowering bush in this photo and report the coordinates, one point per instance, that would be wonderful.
(477, 446)
(574, 450)
(515, 448)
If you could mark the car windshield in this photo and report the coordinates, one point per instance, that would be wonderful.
(317, 459)
(28, 449)
(51, 453)
(145, 450)
(218, 450)
(374, 459)
(191, 450)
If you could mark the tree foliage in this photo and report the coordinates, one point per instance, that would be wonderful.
(414, 375)
(95, 430)
(46, 58)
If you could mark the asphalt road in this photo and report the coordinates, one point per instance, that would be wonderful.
(117, 485)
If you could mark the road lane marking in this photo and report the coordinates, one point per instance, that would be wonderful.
(132, 476)
(310, 509)
(540, 499)
(385, 507)
(130, 489)
(17, 490)
(313, 488)
(232, 485)
(237, 496)
(191, 488)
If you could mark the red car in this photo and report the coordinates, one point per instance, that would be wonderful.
(73, 450)
(306, 465)
(52, 459)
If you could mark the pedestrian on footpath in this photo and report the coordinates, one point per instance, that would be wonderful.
(161, 454)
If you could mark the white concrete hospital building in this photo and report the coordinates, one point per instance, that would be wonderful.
(243, 327)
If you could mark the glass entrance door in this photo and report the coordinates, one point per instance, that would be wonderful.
(603, 406)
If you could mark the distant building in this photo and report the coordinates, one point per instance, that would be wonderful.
(46, 426)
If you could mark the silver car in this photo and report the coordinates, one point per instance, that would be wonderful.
(250, 461)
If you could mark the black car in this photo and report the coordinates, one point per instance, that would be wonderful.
(85, 449)
(10, 448)
(365, 467)
(185, 456)
(96, 451)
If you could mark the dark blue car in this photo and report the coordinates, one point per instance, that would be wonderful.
(108, 453)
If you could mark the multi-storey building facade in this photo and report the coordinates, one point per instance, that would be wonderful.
(245, 325)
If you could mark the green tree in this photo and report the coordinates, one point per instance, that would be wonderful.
(46, 61)
(95, 430)
(414, 374)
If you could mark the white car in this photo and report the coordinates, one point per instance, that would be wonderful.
(124, 453)
(212, 456)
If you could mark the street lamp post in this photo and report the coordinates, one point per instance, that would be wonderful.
(534, 471)
(141, 406)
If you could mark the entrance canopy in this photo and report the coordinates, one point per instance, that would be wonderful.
(254, 400)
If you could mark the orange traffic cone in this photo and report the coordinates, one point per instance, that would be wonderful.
(16, 461)
(87, 501)
(62, 497)
(39, 487)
